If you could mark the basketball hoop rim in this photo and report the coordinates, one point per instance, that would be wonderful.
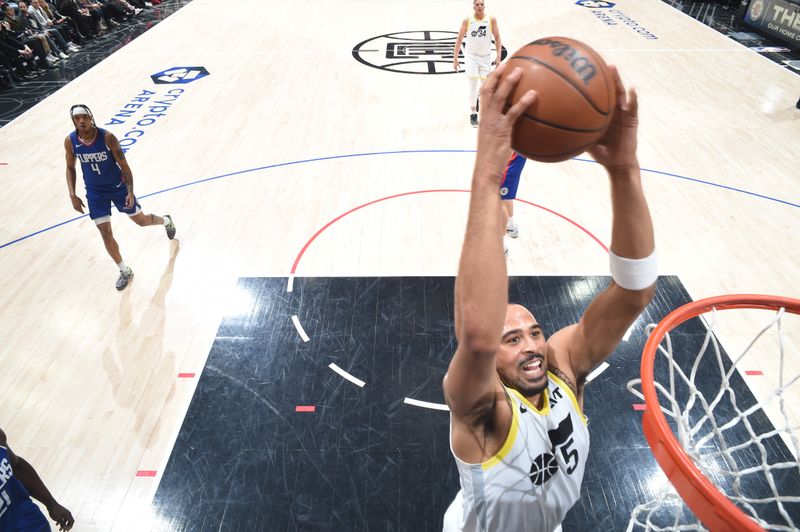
(711, 506)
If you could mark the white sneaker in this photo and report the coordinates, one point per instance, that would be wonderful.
(74, 48)
(124, 278)
(512, 230)
(505, 247)
(62, 55)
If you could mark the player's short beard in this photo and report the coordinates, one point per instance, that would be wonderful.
(518, 383)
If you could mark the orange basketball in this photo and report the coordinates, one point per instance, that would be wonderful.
(576, 97)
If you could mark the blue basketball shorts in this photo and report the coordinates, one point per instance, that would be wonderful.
(24, 516)
(508, 187)
(100, 204)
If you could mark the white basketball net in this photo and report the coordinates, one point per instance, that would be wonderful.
(726, 438)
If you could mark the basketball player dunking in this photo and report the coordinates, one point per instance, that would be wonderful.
(476, 32)
(517, 428)
(108, 180)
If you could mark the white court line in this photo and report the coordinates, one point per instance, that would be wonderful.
(426, 404)
(628, 333)
(343, 373)
(299, 328)
(290, 284)
(597, 371)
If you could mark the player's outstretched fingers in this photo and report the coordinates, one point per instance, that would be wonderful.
(632, 111)
(522, 104)
(489, 86)
(619, 87)
(505, 88)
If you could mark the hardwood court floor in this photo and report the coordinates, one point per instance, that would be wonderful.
(287, 133)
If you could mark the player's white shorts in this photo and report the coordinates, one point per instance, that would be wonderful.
(454, 516)
(477, 66)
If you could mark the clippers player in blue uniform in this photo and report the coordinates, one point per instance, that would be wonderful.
(517, 430)
(18, 482)
(108, 180)
(508, 192)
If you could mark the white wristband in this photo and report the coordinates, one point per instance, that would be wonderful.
(633, 274)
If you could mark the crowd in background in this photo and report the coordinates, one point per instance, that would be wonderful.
(37, 35)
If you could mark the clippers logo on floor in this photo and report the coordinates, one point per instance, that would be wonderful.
(176, 75)
(410, 52)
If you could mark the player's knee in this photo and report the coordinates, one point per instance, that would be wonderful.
(105, 231)
(140, 219)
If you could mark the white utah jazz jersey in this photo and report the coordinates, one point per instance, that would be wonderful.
(478, 39)
(535, 478)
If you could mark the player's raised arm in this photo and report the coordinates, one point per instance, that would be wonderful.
(482, 281)
(632, 256)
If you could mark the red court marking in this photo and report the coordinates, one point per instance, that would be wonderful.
(753, 372)
(305, 408)
(570, 220)
(640, 407)
(327, 225)
(185, 375)
(145, 473)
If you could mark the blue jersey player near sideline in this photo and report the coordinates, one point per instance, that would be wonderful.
(108, 179)
(508, 192)
(18, 482)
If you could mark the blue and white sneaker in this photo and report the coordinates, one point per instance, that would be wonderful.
(124, 278)
(169, 226)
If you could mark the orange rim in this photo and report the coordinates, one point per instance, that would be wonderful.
(711, 506)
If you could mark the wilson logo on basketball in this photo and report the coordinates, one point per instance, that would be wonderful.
(575, 98)
(580, 64)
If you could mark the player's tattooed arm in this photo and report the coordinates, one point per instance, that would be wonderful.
(119, 156)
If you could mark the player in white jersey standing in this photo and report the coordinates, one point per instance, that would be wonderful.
(517, 430)
(476, 32)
